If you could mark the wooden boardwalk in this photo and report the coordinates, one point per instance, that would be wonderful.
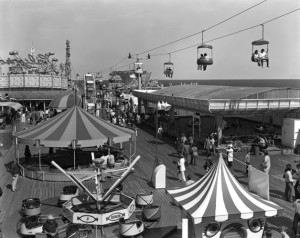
(139, 181)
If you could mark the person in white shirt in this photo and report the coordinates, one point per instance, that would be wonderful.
(229, 155)
(263, 56)
(266, 163)
(181, 165)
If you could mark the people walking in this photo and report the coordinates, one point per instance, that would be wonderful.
(266, 163)
(194, 155)
(160, 132)
(288, 183)
(181, 169)
(296, 220)
(208, 161)
(186, 152)
(247, 161)
(229, 155)
(15, 171)
(207, 145)
(296, 176)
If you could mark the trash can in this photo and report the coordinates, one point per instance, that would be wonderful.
(256, 150)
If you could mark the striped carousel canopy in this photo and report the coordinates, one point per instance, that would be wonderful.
(219, 197)
(65, 101)
(75, 124)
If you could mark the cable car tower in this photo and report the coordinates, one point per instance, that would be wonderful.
(203, 58)
(138, 69)
(169, 68)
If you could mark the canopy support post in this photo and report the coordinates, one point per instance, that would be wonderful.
(219, 123)
(74, 146)
(17, 152)
(38, 146)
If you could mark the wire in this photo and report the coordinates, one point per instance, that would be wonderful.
(172, 42)
(230, 34)
(107, 69)
(233, 33)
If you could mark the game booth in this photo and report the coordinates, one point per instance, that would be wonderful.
(218, 206)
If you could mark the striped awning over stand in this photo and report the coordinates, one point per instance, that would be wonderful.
(14, 105)
(219, 197)
(75, 124)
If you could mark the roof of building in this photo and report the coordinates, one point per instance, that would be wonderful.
(225, 99)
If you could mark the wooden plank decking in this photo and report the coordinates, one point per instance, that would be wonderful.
(139, 181)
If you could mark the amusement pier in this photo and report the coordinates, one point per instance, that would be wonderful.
(120, 153)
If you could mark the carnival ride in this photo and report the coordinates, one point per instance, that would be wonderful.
(67, 194)
(32, 225)
(85, 213)
(169, 68)
(203, 58)
(102, 209)
(258, 44)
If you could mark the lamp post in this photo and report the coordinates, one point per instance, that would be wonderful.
(156, 161)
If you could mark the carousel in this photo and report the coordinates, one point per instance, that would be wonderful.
(76, 135)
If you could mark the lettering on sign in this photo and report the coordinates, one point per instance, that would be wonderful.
(87, 218)
(115, 216)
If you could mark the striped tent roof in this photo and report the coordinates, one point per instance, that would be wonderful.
(218, 197)
(75, 124)
(65, 101)
(14, 105)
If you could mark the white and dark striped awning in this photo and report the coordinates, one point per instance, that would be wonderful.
(75, 124)
(219, 197)
(65, 101)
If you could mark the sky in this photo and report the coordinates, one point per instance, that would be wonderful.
(103, 32)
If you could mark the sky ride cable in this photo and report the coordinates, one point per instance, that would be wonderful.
(108, 69)
(233, 33)
(230, 34)
(172, 42)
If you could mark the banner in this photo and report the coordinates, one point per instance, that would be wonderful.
(259, 183)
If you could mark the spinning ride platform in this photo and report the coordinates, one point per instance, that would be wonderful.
(81, 210)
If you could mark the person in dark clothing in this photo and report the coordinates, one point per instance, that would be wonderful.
(15, 171)
(27, 154)
(296, 176)
(50, 227)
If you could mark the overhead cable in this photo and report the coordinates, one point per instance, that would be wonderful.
(172, 42)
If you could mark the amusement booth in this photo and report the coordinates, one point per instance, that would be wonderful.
(218, 206)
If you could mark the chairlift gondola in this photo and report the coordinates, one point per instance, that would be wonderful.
(169, 68)
(138, 67)
(259, 55)
(203, 58)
